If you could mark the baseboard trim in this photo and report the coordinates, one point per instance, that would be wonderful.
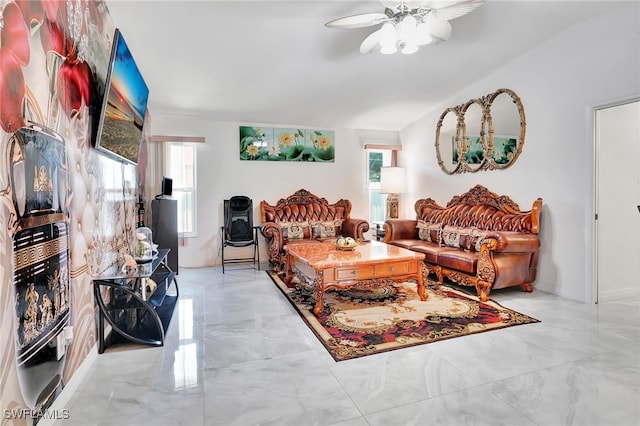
(72, 386)
(612, 295)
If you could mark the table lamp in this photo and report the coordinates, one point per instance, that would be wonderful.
(392, 183)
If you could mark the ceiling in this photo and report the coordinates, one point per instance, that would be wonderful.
(274, 62)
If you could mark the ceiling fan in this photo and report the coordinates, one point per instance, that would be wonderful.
(407, 24)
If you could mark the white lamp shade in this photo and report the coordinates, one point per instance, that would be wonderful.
(392, 180)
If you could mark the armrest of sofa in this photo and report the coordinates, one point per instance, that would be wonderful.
(272, 232)
(511, 242)
(400, 229)
(355, 228)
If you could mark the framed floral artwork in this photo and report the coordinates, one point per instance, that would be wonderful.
(504, 149)
(475, 150)
(286, 144)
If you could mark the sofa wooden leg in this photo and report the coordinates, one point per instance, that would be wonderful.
(424, 271)
(483, 289)
(439, 275)
(527, 287)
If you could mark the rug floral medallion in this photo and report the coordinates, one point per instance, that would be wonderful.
(357, 323)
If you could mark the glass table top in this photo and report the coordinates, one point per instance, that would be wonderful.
(142, 270)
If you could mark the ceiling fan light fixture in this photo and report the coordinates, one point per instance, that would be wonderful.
(407, 30)
(407, 24)
(388, 38)
(423, 34)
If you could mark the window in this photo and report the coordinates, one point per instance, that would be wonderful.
(376, 159)
(181, 167)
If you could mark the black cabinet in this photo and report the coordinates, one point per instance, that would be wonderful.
(164, 225)
(137, 310)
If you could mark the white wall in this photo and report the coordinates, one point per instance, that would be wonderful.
(559, 82)
(221, 175)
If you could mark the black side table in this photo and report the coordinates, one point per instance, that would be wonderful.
(136, 311)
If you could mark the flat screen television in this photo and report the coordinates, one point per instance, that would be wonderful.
(124, 105)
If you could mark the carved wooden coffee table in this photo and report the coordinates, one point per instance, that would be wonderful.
(370, 265)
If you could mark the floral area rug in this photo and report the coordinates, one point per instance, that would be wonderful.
(356, 323)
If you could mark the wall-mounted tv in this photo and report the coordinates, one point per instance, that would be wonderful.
(124, 105)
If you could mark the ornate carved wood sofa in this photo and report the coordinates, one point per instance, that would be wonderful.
(479, 239)
(303, 218)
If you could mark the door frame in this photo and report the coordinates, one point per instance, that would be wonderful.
(596, 178)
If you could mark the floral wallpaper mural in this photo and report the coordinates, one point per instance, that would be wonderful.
(269, 144)
(66, 210)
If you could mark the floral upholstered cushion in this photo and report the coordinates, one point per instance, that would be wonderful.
(451, 235)
(428, 231)
(469, 239)
(295, 230)
(326, 229)
(475, 238)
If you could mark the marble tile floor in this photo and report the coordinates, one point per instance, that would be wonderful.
(237, 353)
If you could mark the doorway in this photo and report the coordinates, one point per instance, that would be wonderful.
(617, 201)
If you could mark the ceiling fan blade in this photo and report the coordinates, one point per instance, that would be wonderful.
(450, 10)
(371, 42)
(358, 21)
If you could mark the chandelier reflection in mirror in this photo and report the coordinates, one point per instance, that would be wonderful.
(406, 25)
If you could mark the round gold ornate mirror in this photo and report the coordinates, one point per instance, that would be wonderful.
(486, 133)
(507, 126)
(449, 136)
(473, 135)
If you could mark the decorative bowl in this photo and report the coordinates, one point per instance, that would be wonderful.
(345, 244)
(346, 248)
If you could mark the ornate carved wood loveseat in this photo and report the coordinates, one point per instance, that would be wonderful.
(479, 239)
(304, 218)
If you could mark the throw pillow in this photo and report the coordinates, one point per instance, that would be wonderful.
(428, 231)
(451, 235)
(326, 229)
(476, 239)
(470, 239)
(295, 230)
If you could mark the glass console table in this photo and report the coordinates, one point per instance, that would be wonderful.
(137, 310)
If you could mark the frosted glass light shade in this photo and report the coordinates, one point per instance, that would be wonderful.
(388, 39)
